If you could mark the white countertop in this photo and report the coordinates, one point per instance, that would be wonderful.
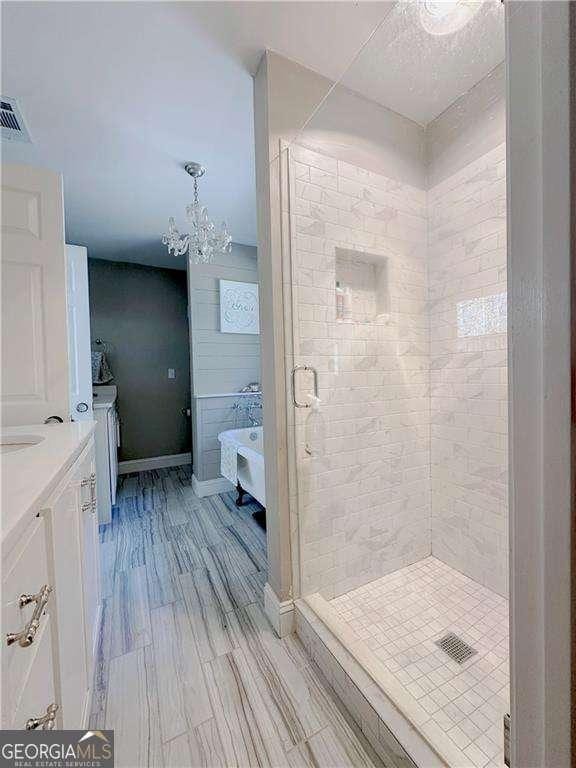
(104, 395)
(31, 474)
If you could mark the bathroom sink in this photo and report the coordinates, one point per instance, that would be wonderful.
(12, 443)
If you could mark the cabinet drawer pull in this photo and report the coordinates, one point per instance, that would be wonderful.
(89, 481)
(27, 635)
(45, 722)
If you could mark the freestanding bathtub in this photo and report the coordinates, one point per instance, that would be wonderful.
(242, 461)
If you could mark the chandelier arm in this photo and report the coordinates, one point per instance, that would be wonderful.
(205, 240)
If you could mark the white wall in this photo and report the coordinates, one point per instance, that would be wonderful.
(468, 334)
(220, 363)
(468, 129)
(540, 54)
(356, 130)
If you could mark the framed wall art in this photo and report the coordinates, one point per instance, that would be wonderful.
(239, 307)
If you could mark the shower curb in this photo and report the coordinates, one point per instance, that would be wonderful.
(390, 732)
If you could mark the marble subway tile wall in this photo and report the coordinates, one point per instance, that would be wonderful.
(363, 459)
(468, 369)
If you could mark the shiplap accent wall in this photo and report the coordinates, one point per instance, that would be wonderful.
(220, 362)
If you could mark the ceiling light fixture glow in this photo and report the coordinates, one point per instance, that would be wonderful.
(444, 17)
(440, 8)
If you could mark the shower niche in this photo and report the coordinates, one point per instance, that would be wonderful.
(362, 291)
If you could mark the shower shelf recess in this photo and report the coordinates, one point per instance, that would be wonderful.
(361, 291)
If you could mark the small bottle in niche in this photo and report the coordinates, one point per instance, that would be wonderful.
(339, 301)
(346, 304)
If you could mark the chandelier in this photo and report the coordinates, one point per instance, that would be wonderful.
(204, 241)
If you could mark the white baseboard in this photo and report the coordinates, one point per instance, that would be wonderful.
(280, 613)
(155, 462)
(211, 487)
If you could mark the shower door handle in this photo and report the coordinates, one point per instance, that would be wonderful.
(295, 370)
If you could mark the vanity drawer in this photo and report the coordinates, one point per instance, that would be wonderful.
(37, 692)
(25, 571)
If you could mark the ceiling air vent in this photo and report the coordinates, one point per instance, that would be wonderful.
(13, 125)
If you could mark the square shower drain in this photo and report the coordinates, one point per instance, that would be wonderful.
(456, 648)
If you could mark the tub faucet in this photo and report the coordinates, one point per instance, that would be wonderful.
(254, 422)
(248, 409)
(251, 407)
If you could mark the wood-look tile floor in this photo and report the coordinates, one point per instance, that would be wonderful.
(189, 672)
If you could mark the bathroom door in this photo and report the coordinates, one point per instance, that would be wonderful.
(80, 371)
(34, 366)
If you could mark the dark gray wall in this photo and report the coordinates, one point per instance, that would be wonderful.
(143, 312)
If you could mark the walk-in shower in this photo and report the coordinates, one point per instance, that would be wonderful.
(394, 195)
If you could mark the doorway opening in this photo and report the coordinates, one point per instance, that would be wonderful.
(394, 248)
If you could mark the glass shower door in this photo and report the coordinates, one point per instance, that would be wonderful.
(357, 363)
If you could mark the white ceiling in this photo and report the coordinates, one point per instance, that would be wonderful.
(419, 74)
(118, 95)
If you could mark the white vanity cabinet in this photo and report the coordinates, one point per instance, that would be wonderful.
(113, 445)
(28, 682)
(107, 444)
(50, 552)
(74, 541)
(90, 559)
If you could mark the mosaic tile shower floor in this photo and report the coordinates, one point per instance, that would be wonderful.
(401, 616)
